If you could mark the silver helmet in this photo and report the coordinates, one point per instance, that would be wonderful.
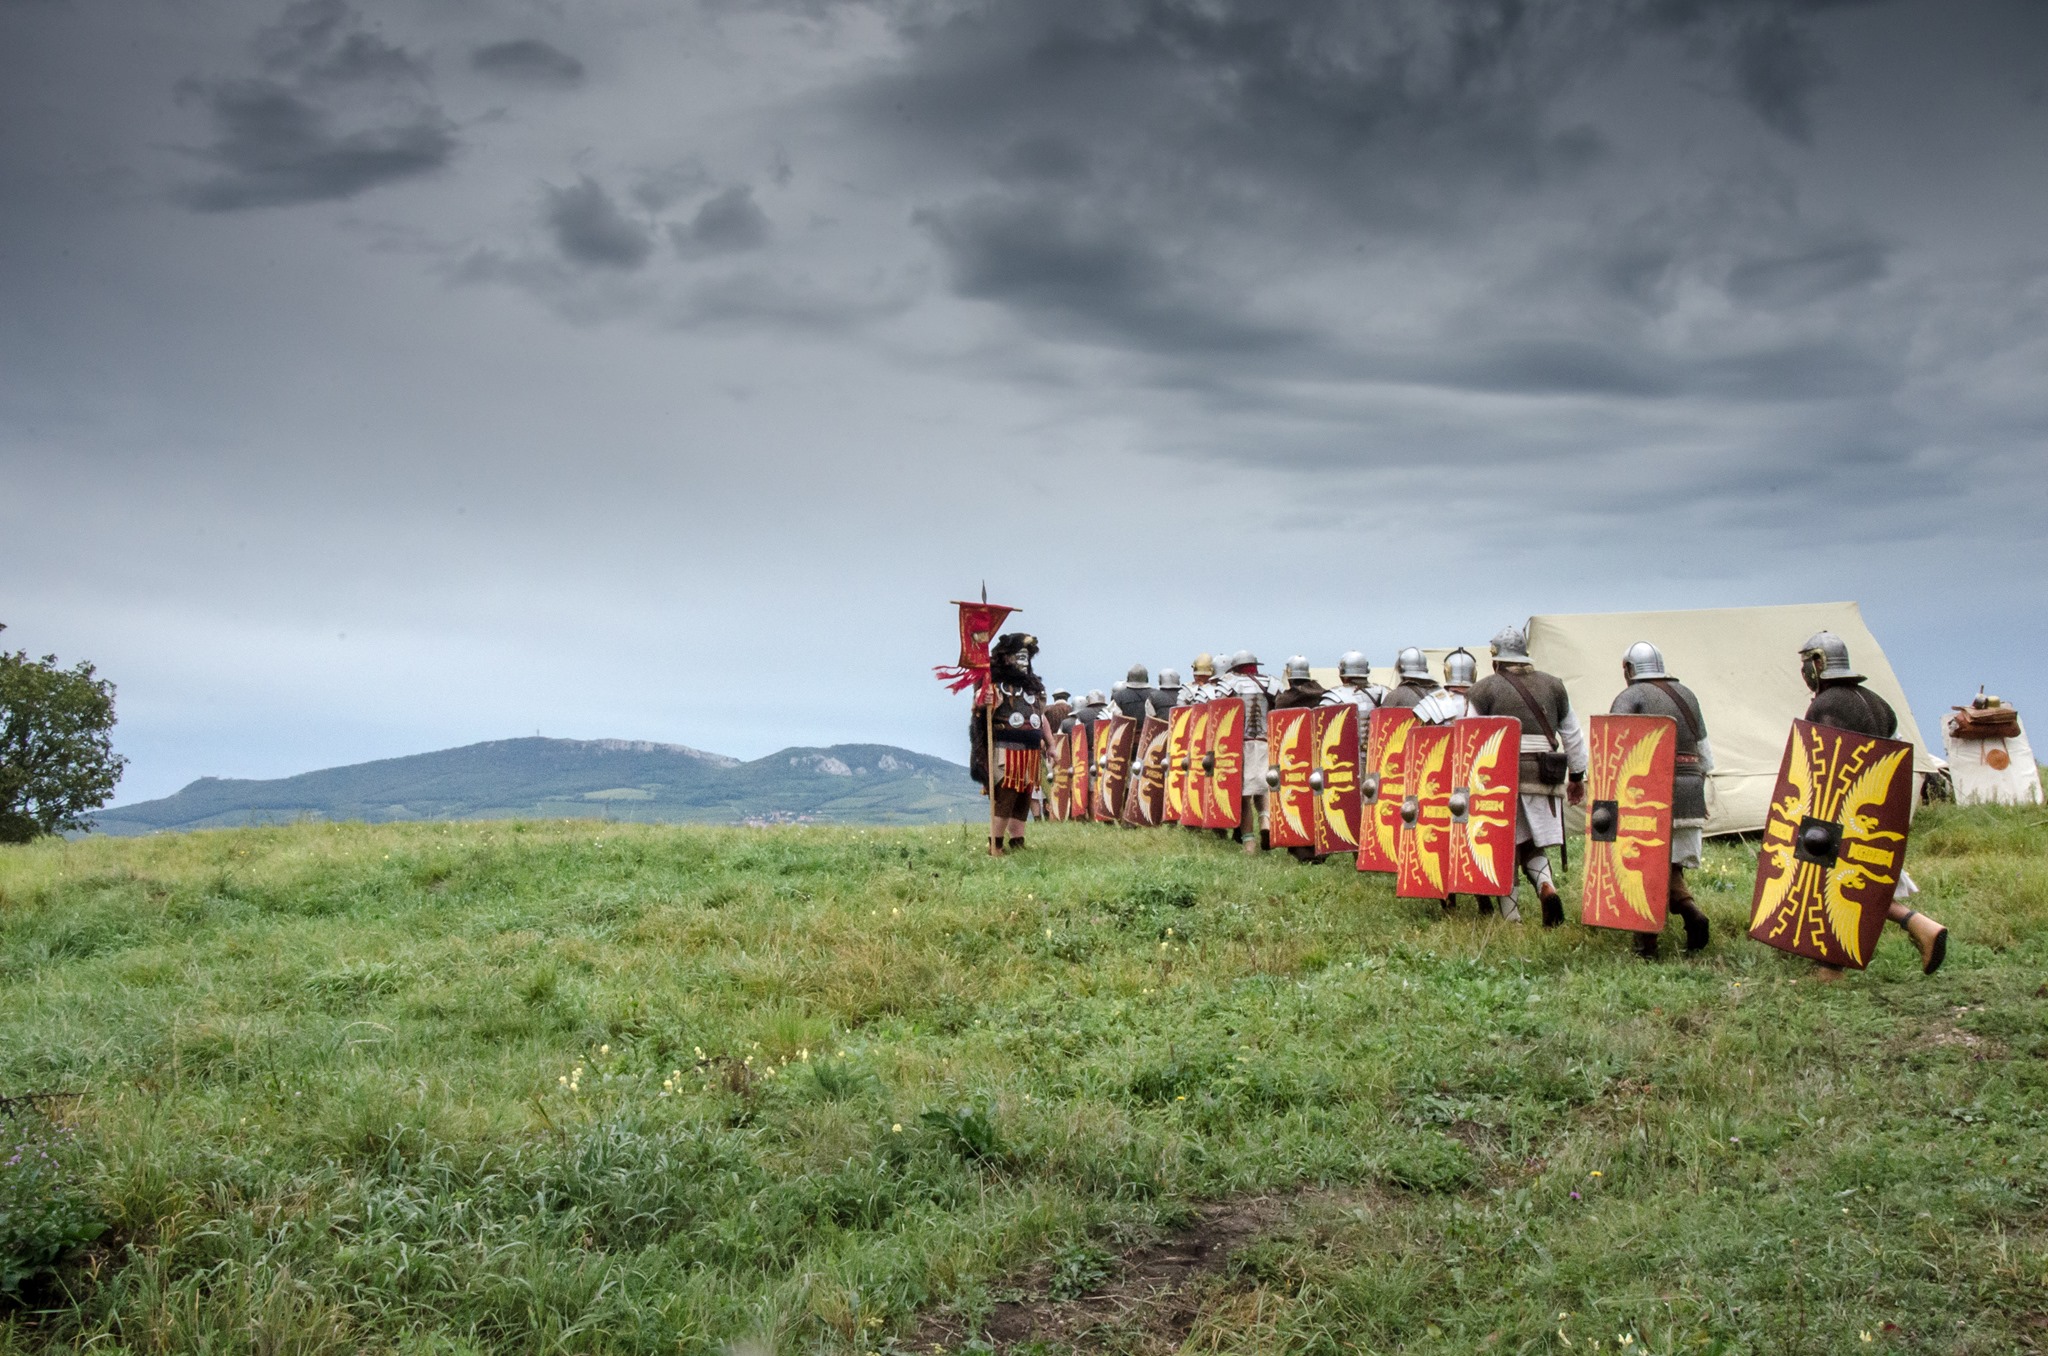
(1643, 660)
(1297, 668)
(1354, 665)
(1824, 656)
(1095, 697)
(1169, 677)
(1411, 663)
(1460, 668)
(1511, 646)
(1242, 658)
(1139, 676)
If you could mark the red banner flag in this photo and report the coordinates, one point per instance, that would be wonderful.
(979, 623)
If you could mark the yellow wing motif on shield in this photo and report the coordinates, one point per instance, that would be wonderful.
(1790, 810)
(1634, 768)
(1868, 793)
(1383, 825)
(1432, 862)
(1482, 763)
(1845, 915)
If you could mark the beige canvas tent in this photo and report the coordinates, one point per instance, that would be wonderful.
(1743, 663)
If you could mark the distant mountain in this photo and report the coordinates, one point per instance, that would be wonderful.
(584, 778)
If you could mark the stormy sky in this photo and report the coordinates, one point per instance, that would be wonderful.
(380, 377)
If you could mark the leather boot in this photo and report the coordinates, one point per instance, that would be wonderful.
(1553, 907)
(1485, 903)
(1823, 973)
(1646, 944)
(1450, 903)
(1696, 929)
(1931, 937)
(1016, 843)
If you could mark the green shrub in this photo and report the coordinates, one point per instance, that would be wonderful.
(45, 1214)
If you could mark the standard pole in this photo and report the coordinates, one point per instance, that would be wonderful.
(995, 842)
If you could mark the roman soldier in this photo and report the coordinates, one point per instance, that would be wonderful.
(1166, 695)
(1018, 699)
(1355, 684)
(1653, 692)
(1448, 702)
(1553, 756)
(1301, 689)
(1248, 685)
(1058, 709)
(1442, 706)
(1412, 667)
(1840, 699)
(1133, 696)
(1092, 708)
(1203, 688)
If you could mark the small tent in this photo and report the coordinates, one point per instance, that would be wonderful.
(1742, 663)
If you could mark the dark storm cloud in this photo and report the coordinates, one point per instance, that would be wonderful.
(590, 229)
(727, 222)
(528, 61)
(338, 111)
(1086, 275)
(1777, 68)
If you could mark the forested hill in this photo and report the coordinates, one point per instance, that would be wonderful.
(589, 778)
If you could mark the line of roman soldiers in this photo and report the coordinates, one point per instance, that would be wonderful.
(1454, 786)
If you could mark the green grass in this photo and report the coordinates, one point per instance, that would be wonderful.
(566, 1087)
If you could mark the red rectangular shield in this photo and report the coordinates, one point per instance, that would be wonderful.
(1486, 777)
(1179, 725)
(1424, 852)
(1145, 802)
(1195, 802)
(1061, 803)
(1292, 804)
(1834, 844)
(1080, 758)
(1385, 785)
(1225, 782)
(1115, 737)
(1628, 821)
(1336, 743)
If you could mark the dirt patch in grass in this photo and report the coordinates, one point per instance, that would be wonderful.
(1149, 1303)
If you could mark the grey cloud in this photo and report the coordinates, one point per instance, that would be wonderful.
(528, 61)
(727, 222)
(1800, 278)
(1088, 275)
(340, 111)
(1777, 67)
(590, 229)
(274, 148)
(322, 41)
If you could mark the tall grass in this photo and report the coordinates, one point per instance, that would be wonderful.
(567, 1087)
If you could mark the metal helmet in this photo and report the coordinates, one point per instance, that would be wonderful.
(1204, 666)
(1460, 668)
(1060, 694)
(1511, 646)
(1296, 669)
(1411, 663)
(1095, 697)
(1139, 675)
(1643, 660)
(1354, 664)
(1117, 686)
(1242, 658)
(1169, 677)
(1824, 656)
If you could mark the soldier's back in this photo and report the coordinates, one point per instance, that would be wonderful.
(1852, 706)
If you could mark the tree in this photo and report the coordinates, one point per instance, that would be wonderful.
(57, 760)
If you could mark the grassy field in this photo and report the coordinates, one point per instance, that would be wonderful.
(565, 1087)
